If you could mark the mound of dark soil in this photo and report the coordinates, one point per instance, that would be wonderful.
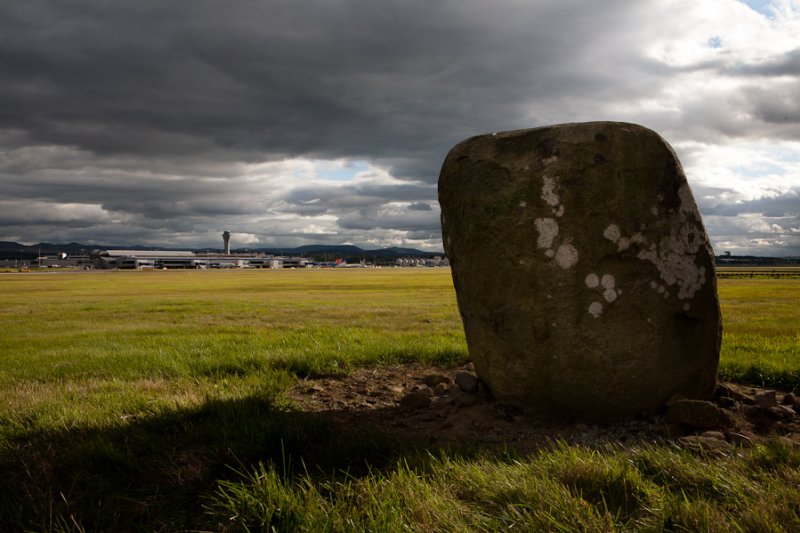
(451, 407)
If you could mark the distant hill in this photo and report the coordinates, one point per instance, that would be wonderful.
(15, 250)
(347, 251)
(321, 252)
(753, 260)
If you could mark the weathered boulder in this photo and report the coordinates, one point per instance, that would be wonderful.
(696, 414)
(583, 273)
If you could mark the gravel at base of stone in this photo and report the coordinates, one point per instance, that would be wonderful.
(429, 405)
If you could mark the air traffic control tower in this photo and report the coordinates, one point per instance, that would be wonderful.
(226, 239)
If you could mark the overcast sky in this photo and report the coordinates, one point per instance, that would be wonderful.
(293, 122)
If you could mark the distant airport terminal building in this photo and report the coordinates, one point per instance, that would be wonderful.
(138, 259)
(160, 259)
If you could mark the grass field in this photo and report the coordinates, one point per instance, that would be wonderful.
(154, 400)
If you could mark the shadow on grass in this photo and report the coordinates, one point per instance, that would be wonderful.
(151, 474)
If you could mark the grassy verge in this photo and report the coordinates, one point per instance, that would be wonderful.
(568, 488)
(761, 332)
(154, 401)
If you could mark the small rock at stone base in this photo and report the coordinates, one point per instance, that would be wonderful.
(696, 414)
(725, 390)
(788, 399)
(670, 431)
(675, 398)
(766, 399)
(725, 401)
(440, 402)
(440, 389)
(463, 399)
(467, 382)
(708, 444)
(786, 441)
(740, 439)
(416, 400)
(781, 412)
(434, 379)
(714, 435)
(470, 367)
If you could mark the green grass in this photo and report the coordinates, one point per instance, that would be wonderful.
(154, 401)
(567, 488)
(761, 332)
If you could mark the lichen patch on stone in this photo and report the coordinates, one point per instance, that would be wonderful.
(549, 194)
(595, 309)
(548, 230)
(566, 256)
(610, 295)
(674, 255)
(592, 281)
(608, 281)
(612, 233)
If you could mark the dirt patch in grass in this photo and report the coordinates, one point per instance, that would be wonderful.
(450, 407)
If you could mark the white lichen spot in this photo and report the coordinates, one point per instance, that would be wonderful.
(549, 296)
(610, 295)
(608, 281)
(675, 253)
(592, 281)
(653, 285)
(619, 291)
(521, 261)
(549, 253)
(523, 204)
(654, 210)
(612, 233)
(686, 307)
(661, 289)
(666, 295)
(623, 244)
(548, 230)
(547, 161)
(566, 256)
(638, 238)
(595, 309)
(559, 212)
(549, 194)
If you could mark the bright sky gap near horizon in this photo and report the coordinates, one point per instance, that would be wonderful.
(163, 123)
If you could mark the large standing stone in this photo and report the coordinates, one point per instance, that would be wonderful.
(583, 273)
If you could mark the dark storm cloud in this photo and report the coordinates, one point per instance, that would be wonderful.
(253, 80)
(159, 117)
